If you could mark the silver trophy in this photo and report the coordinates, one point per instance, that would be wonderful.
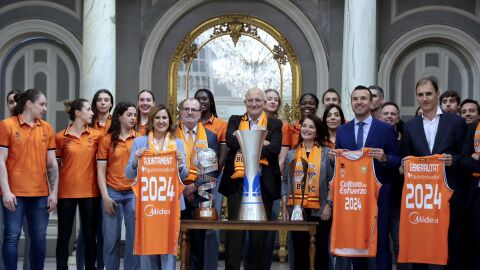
(298, 214)
(206, 161)
(251, 142)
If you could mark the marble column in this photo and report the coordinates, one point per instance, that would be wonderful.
(98, 51)
(359, 48)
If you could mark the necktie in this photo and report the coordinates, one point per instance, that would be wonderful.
(190, 141)
(190, 145)
(360, 135)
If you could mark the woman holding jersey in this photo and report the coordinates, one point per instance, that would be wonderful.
(159, 137)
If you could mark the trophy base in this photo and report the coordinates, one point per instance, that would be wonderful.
(252, 212)
(298, 214)
(206, 213)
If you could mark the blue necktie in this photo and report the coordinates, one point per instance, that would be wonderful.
(360, 135)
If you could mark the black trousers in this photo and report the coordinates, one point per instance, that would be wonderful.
(473, 231)
(197, 237)
(234, 239)
(89, 211)
(301, 243)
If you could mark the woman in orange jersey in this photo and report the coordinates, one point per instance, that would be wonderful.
(332, 118)
(306, 185)
(118, 198)
(159, 137)
(211, 122)
(76, 150)
(308, 106)
(102, 104)
(146, 100)
(23, 177)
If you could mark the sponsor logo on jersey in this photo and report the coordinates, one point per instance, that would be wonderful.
(416, 218)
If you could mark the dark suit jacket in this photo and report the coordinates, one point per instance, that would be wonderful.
(449, 140)
(380, 135)
(270, 178)
(213, 144)
(467, 163)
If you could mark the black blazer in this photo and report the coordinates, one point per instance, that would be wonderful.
(270, 182)
(467, 162)
(449, 140)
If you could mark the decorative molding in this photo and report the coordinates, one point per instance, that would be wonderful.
(182, 7)
(77, 13)
(394, 17)
(468, 46)
(16, 32)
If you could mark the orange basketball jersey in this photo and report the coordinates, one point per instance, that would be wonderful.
(425, 211)
(354, 192)
(158, 192)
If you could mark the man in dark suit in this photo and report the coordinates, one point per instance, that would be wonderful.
(270, 182)
(470, 161)
(365, 131)
(436, 132)
(191, 132)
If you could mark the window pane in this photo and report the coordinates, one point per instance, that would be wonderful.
(40, 56)
(40, 82)
(62, 81)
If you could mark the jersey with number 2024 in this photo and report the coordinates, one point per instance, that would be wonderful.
(158, 190)
(425, 211)
(354, 191)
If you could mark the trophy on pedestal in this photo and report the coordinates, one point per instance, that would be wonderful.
(300, 177)
(206, 162)
(251, 142)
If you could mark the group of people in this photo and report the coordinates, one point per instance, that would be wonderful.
(93, 163)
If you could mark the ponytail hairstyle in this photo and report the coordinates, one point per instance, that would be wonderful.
(138, 109)
(115, 127)
(73, 105)
(94, 104)
(22, 98)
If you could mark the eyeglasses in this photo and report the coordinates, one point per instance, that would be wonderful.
(190, 110)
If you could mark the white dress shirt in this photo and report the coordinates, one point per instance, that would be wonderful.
(431, 128)
(366, 128)
(253, 123)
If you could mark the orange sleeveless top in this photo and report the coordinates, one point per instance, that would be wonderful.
(425, 212)
(354, 192)
(158, 192)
